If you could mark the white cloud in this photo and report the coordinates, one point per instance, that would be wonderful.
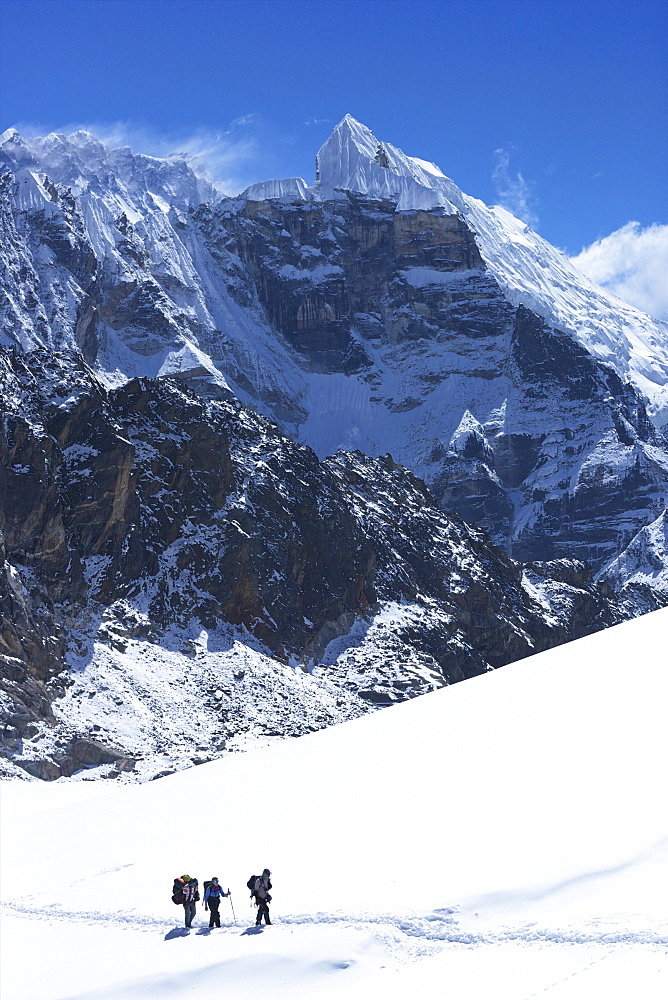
(251, 119)
(632, 263)
(229, 159)
(513, 191)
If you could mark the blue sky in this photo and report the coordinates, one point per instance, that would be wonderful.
(557, 109)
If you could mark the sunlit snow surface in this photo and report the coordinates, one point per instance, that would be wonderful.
(502, 839)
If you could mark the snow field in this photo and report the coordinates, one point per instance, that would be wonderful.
(502, 838)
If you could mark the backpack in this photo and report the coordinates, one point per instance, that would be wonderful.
(251, 884)
(177, 892)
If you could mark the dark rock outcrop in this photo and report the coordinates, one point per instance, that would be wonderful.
(153, 497)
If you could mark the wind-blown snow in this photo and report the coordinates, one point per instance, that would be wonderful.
(503, 838)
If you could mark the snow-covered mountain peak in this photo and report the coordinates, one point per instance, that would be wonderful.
(353, 159)
(9, 135)
(372, 309)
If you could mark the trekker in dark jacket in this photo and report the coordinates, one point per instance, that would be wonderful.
(212, 896)
(190, 897)
(262, 897)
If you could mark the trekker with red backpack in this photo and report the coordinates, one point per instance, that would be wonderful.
(190, 897)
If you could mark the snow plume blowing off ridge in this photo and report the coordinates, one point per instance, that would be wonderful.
(223, 158)
(514, 193)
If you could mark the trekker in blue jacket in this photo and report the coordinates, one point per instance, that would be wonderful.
(212, 897)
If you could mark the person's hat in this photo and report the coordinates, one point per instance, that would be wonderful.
(214, 878)
(266, 872)
(186, 878)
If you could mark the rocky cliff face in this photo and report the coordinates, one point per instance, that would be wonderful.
(514, 425)
(139, 519)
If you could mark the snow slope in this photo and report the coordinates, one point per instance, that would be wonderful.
(500, 839)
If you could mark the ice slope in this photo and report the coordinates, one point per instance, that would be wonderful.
(500, 839)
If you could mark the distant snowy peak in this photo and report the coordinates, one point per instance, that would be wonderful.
(353, 159)
(132, 183)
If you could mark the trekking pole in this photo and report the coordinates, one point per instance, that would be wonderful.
(229, 896)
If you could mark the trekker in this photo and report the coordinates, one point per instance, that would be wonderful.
(190, 897)
(212, 896)
(262, 897)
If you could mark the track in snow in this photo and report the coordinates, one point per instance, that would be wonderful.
(437, 927)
